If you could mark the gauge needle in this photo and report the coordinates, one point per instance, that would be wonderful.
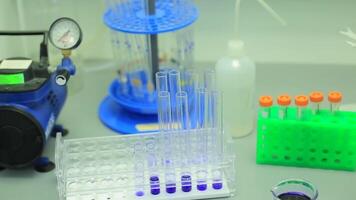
(63, 38)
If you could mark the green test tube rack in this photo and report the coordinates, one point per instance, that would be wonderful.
(323, 140)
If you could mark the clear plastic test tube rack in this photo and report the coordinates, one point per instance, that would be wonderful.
(189, 158)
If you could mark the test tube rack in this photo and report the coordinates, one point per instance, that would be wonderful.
(322, 140)
(190, 157)
(146, 36)
(110, 168)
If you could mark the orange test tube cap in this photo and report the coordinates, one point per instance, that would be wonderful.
(266, 101)
(316, 97)
(335, 97)
(284, 100)
(301, 100)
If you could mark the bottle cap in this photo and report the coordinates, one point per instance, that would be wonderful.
(266, 101)
(301, 100)
(335, 97)
(316, 97)
(284, 100)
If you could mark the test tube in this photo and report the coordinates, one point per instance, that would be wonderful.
(191, 45)
(209, 79)
(202, 140)
(335, 99)
(164, 120)
(161, 81)
(174, 82)
(216, 145)
(283, 101)
(174, 87)
(265, 103)
(316, 98)
(182, 110)
(164, 110)
(152, 158)
(301, 101)
(191, 80)
(139, 168)
(155, 185)
(184, 124)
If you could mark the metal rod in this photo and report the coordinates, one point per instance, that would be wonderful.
(153, 42)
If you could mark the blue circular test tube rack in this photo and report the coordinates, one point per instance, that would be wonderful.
(136, 26)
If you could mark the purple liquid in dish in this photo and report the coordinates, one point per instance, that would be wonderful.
(293, 196)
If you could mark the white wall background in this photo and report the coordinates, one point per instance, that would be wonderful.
(311, 36)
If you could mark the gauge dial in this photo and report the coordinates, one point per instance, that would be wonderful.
(65, 33)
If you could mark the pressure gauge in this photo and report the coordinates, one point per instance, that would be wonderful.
(65, 33)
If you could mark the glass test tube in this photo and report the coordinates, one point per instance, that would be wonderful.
(209, 80)
(182, 110)
(161, 81)
(184, 124)
(188, 53)
(164, 120)
(139, 168)
(265, 104)
(216, 145)
(152, 158)
(191, 80)
(283, 101)
(335, 99)
(302, 102)
(201, 146)
(316, 98)
(180, 48)
(174, 87)
(191, 46)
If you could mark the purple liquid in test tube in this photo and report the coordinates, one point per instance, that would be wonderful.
(165, 126)
(184, 126)
(154, 183)
(186, 181)
(140, 193)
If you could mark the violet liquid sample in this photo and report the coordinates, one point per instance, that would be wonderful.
(140, 193)
(154, 183)
(171, 188)
(217, 184)
(186, 183)
(202, 186)
(293, 196)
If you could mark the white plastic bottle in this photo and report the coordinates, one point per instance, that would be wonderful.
(235, 75)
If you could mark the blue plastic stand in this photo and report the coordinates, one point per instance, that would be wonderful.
(168, 18)
(124, 121)
(120, 112)
(133, 105)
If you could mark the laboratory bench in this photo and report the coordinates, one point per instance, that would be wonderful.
(253, 181)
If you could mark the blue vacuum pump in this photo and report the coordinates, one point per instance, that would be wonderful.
(32, 96)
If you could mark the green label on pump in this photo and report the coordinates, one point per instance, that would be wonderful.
(12, 79)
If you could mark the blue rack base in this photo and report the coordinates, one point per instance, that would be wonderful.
(124, 121)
